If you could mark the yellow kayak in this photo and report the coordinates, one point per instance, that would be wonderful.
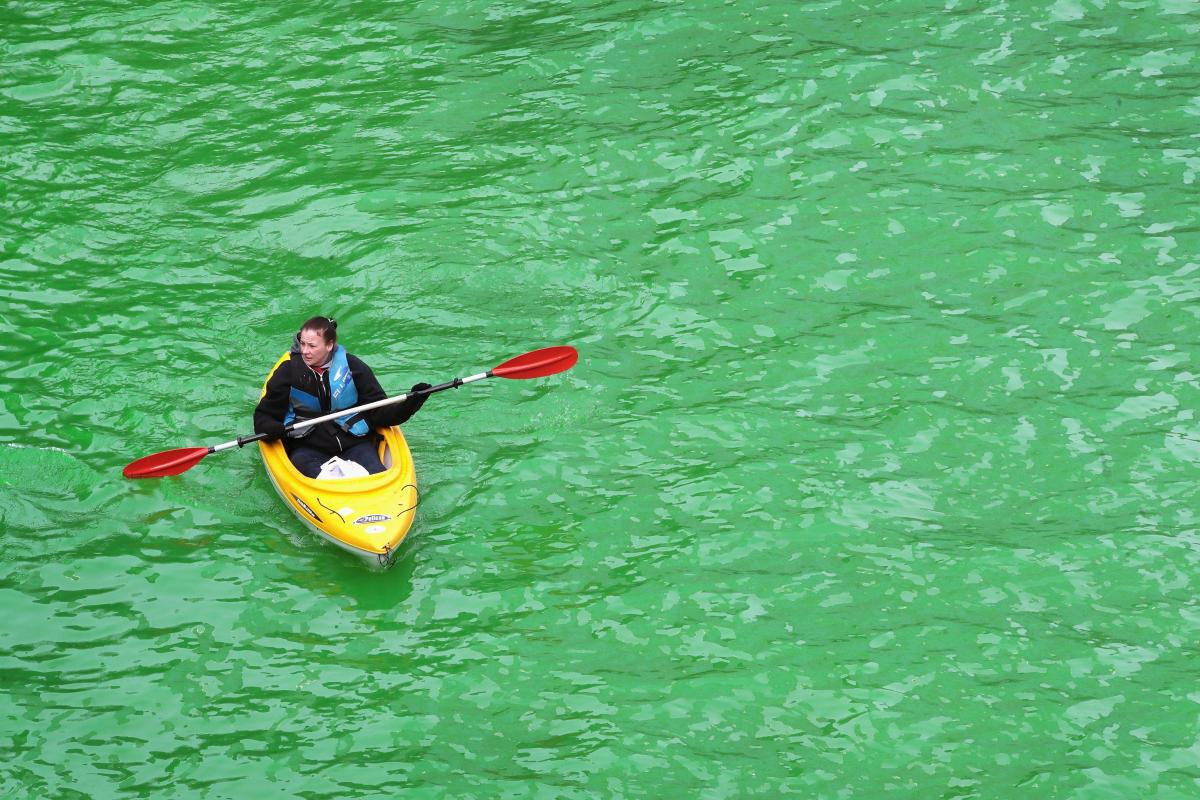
(367, 516)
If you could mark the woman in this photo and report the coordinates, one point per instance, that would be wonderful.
(320, 377)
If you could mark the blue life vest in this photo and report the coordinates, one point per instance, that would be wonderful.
(343, 394)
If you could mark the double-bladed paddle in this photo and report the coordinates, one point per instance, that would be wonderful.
(535, 364)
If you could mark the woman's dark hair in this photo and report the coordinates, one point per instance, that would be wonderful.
(326, 326)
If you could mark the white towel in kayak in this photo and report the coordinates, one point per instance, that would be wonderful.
(337, 467)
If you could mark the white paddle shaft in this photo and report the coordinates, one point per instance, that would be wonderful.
(400, 398)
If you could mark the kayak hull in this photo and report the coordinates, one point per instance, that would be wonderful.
(370, 516)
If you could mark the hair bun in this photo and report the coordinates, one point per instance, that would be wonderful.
(332, 322)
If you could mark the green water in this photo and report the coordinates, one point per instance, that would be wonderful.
(875, 478)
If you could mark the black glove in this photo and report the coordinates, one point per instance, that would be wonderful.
(413, 404)
(273, 428)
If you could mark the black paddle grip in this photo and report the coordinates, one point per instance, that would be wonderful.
(245, 440)
(454, 384)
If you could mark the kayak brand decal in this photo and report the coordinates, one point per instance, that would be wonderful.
(304, 505)
(369, 518)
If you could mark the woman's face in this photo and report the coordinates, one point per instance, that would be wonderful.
(313, 348)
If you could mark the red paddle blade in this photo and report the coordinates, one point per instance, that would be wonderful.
(160, 465)
(539, 363)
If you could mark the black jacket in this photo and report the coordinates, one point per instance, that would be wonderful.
(327, 437)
